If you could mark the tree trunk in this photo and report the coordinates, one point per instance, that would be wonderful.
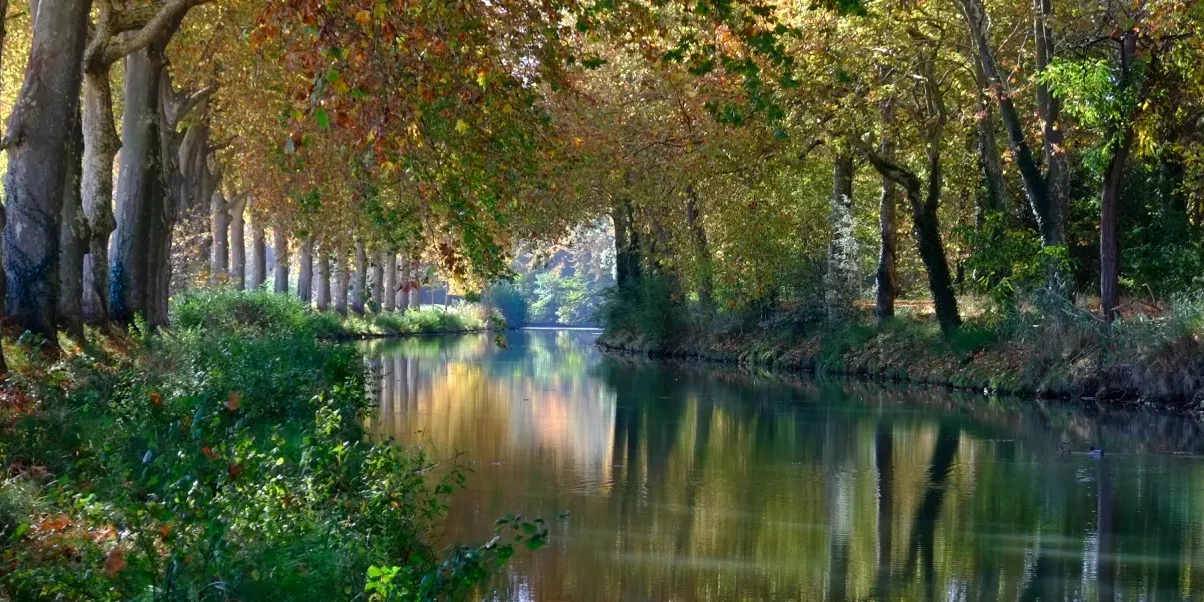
(403, 291)
(3, 37)
(627, 245)
(1109, 222)
(238, 248)
(927, 230)
(281, 247)
(390, 292)
(259, 254)
(415, 286)
(1109, 233)
(73, 240)
(361, 278)
(886, 276)
(378, 284)
(840, 288)
(932, 253)
(702, 251)
(323, 279)
(159, 289)
(305, 274)
(220, 209)
(139, 186)
(342, 286)
(1047, 205)
(992, 198)
(39, 131)
(96, 187)
(1049, 109)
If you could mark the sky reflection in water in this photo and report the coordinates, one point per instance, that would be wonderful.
(685, 482)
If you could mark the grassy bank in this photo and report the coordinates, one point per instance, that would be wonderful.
(221, 459)
(1053, 351)
(219, 307)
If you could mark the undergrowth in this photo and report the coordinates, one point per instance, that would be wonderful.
(1045, 345)
(222, 459)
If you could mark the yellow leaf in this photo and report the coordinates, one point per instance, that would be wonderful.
(461, 126)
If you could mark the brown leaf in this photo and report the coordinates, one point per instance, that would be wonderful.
(232, 402)
(114, 563)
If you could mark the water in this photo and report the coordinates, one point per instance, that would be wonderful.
(691, 482)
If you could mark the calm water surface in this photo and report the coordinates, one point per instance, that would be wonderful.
(685, 482)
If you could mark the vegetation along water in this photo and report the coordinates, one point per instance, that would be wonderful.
(260, 259)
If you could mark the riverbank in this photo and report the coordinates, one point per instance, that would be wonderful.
(1141, 360)
(217, 307)
(224, 453)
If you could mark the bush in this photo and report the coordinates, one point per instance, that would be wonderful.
(652, 309)
(221, 459)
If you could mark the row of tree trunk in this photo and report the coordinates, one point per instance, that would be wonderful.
(381, 281)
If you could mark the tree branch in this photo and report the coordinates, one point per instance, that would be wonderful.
(166, 17)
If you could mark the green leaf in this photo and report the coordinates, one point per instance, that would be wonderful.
(322, 118)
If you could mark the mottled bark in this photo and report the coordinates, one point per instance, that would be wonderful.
(305, 271)
(343, 275)
(259, 254)
(323, 279)
(220, 229)
(361, 278)
(378, 284)
(886, 276)
(73, 240)
(139, 186)
(117, 34)
(38, 132)
(280, 240)
(238, 247)
(390, 288)
(416, 286)
(100, 148)
(840, 282)
(403, 290)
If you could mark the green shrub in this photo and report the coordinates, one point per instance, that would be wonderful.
(225, 459)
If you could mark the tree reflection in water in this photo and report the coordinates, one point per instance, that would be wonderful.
(694, 482)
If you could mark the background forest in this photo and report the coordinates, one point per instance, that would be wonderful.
(752, 158)
(987, 194)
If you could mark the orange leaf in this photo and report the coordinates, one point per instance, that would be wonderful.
(233, 400)
(114, 563)
(156, 399)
